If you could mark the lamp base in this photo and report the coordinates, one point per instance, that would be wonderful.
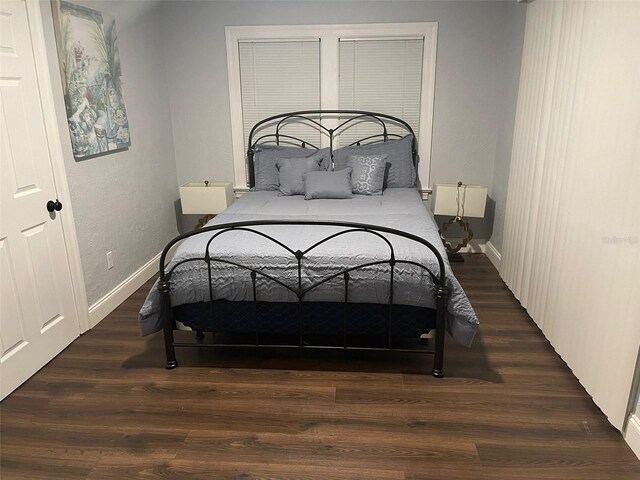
(452, 251)
(201, 223)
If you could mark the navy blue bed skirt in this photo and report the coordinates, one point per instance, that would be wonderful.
(318, 318)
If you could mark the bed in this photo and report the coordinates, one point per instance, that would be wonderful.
(367, 272)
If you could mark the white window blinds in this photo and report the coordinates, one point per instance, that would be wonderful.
(280, 76)
(382, 76)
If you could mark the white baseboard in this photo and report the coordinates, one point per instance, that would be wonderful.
(632, 434)
(124, 290)
(494, 255)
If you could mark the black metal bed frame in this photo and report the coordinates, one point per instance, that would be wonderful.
(306, 116)
(300, 289)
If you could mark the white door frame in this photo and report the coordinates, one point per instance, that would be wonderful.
(57, 162)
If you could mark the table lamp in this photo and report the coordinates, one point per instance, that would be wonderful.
(205, 198)
(458, 201)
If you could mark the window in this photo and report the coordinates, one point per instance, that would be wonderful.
(381, 76)
(278, 77)
(386, 68)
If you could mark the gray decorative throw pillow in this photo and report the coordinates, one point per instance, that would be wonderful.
(292, 170)
(266, 156)
(367, 176)
(402, 172)
(327, 184)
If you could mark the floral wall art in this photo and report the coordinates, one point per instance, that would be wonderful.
(91, 80)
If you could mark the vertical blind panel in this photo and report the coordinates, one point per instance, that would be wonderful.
(382, 76)
(277, 77)
(572, 237)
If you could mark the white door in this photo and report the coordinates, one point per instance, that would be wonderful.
(38, 318)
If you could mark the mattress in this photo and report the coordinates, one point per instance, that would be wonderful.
(398, 208)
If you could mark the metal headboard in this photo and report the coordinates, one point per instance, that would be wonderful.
(313, 118)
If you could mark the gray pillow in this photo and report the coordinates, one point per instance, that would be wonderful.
(266, 157)
(292, 170)
(402, 172)
(328, 184)
(367, 175)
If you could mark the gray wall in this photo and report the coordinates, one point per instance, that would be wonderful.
(477, 61)
(124, 202)
(175, 80)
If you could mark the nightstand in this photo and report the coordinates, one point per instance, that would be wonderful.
(206, 198)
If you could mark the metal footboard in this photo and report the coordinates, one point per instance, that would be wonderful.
(300, 289)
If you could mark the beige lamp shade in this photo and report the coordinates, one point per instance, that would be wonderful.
(472, 198)
(199, 198)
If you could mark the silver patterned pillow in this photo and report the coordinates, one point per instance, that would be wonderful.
(367, 177)
(401, 170)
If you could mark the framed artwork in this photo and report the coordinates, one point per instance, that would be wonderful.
(91, 80)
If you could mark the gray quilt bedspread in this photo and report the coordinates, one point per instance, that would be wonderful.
(398, 208)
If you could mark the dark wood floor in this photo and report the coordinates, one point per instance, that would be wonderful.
(509, 408)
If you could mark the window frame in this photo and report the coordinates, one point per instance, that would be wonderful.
(330, 36)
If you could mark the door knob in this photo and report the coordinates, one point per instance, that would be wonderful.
(51, 205)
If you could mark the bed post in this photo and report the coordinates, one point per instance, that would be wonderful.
(442, 295)
(166, 314)
(252, 173)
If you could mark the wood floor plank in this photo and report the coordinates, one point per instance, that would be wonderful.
(556, 462)
(510, 432)
(206, 470)
(508, 409)
(347, 450)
